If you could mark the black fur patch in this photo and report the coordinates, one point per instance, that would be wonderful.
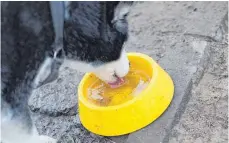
(27, 36)
(83, 33)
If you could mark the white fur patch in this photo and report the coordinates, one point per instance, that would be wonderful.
(121, 10)
(106, 71)
(78, 65)
(119, 67)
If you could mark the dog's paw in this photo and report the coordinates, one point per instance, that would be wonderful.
(46, 139)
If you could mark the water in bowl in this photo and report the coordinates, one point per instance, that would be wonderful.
(99, 93)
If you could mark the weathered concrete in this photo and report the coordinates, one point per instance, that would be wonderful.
(178, 35)
(184, 57)
(199, 18)
(205, 119)
(67, 129)
(59, 97)
(181, 62)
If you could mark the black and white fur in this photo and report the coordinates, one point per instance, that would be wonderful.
(93, 42)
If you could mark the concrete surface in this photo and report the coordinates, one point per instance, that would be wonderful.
(205, 119)
(189, 41)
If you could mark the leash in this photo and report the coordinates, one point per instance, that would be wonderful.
(57, 12)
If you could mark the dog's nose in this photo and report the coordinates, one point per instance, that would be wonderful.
(115, 75)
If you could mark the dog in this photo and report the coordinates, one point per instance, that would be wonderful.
(94, 35)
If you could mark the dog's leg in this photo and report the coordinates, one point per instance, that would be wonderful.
(17, 127)
(16, 122)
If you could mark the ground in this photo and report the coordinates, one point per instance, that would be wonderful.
(206, 116)
(189, 40)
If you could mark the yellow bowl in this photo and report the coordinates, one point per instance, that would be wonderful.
(133, 114)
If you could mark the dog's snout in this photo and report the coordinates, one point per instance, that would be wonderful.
(115, 75)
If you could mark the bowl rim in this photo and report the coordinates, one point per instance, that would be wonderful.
(82, 99)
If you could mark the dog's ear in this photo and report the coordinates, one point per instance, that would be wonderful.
(122, 10)
(120, 14)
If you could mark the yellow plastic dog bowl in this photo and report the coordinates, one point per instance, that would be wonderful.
(133, 114)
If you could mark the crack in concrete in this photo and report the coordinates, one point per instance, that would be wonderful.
(188, 94)
(70, 111)
(200, 37)
(179, 113)
(221, 34)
